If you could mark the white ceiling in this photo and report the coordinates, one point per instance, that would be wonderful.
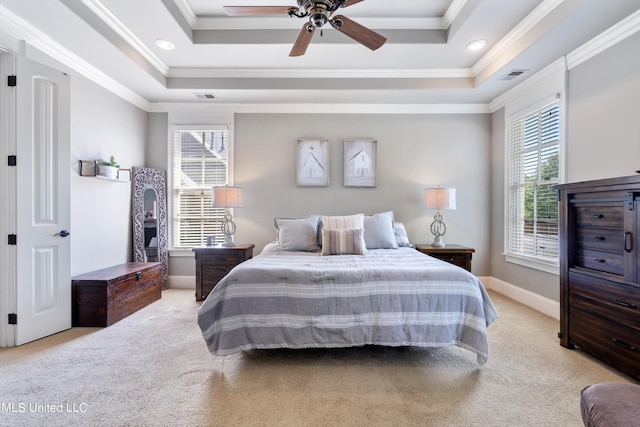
(245, 59)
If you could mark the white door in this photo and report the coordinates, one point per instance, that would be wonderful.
(43, 291)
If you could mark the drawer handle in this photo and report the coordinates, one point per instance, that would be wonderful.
(599, 238)
(624, 345)
(623, 304)
(628, 241)
(138, 275)
(598, 216)
(600, 260)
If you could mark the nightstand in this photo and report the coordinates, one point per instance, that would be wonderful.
(454, 254)
(214, 262)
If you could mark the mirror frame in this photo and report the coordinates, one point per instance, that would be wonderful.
(143, 179)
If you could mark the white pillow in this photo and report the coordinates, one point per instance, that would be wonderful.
(379, 232)
(298, 234)
(343, 241)
(401, 235)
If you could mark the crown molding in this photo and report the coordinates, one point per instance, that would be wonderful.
(320, 73)
(452, 12)
(539, 13)
(554, 69)
(608, 38)
(22, 30)
(321, 108)
(284, 23)
(119, 28)
(187, 12)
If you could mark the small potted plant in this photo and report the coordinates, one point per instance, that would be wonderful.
(108, 168)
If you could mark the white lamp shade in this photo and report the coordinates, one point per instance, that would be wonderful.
(440, 198)
(226, 197)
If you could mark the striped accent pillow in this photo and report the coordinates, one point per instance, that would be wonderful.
(347, 221)
(343, 241)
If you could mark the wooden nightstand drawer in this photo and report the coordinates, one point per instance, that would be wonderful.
(453, 254)
(214, 262)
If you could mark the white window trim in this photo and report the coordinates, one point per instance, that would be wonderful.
(229, 127)
(554, 86)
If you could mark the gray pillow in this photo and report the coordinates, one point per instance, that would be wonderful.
(378, 231)
(298, 234)
(401, 235)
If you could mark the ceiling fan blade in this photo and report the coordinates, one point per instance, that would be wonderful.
(348, 3)
(255, 10)
(303, 40)
(359, 33)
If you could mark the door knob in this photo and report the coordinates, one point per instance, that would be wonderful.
(63, 233)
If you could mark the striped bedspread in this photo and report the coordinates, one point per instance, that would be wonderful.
(389, 297)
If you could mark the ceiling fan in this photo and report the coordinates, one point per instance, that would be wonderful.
(319, 12)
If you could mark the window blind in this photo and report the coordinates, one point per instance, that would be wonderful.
(533, 170)
(200, 161)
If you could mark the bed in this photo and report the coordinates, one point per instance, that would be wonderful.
(286, 297)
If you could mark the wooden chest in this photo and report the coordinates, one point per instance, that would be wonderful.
(103, 297)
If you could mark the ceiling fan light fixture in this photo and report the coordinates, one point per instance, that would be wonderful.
(476, 45)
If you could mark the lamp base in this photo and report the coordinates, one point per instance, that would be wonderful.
(438, 242)
(228, 241)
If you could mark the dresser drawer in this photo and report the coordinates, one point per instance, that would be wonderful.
(614, 301)
(609, 262)
(615, 344)
(603, 239)
(600, 216)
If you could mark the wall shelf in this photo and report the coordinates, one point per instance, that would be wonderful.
(89, 169)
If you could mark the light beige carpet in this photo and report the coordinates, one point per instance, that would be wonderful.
(153, 369)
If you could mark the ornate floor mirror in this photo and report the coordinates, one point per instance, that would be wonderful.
(149, 210)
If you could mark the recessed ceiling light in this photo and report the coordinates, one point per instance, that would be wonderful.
(476, 45)
(165, 44)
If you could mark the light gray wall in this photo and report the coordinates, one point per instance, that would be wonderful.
(602, 141)
(157, 150)
(102, 124)
(604, 114)
(413, 151)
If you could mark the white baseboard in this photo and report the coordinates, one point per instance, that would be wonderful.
(182, 282)
(537, 302)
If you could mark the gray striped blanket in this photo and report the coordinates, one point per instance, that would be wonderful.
(389, 297)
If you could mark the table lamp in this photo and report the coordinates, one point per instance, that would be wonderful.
(227, 197)
(439, 198)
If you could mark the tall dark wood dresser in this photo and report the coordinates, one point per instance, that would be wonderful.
(599, 280)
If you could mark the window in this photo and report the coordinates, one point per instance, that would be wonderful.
(533, 170)
(200, 161)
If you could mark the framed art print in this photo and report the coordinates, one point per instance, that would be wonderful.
(360, 162)
(312, 163)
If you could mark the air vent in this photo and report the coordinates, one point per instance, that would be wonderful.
(205, 95)
(513, 74)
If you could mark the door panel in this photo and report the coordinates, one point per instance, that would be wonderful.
(43, 152)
